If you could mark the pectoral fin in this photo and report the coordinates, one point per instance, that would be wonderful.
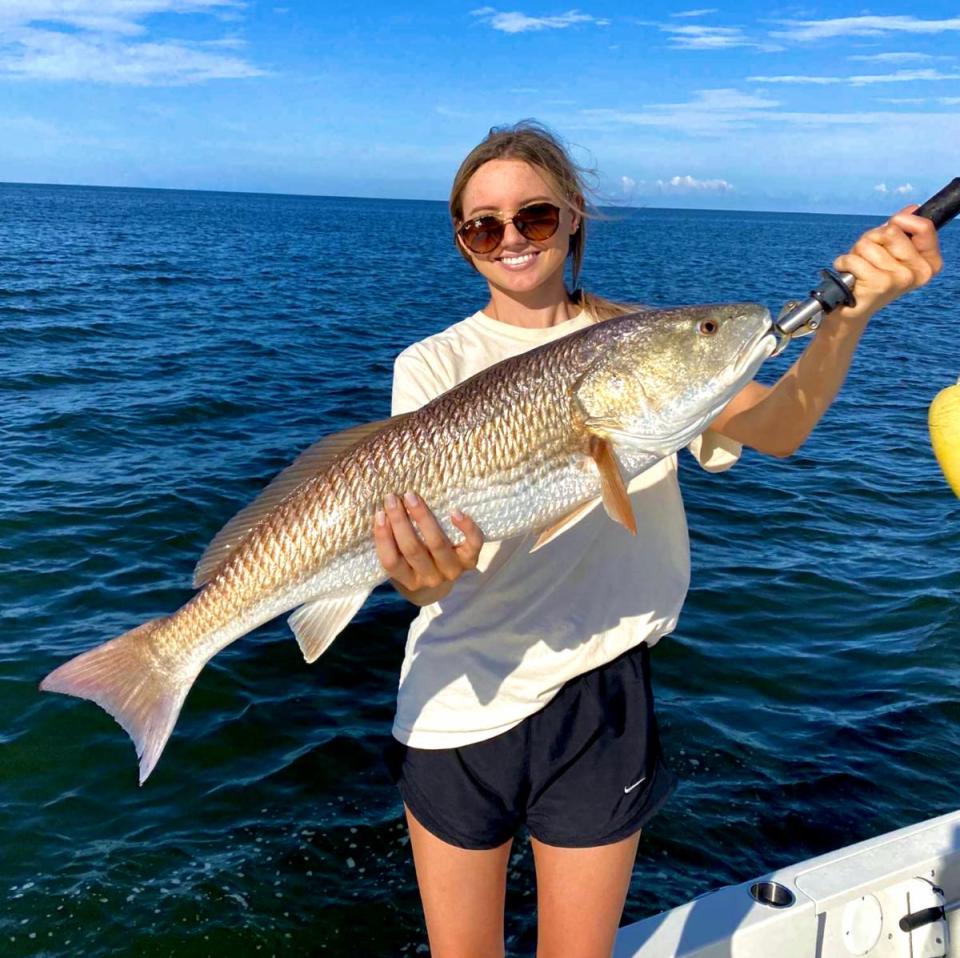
(318, 623)
(614, 490)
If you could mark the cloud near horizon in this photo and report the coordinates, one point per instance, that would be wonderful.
(905, 190)
(690, 184)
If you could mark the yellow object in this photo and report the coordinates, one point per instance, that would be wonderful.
(944, 420)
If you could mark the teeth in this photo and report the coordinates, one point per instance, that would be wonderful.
(517, 260)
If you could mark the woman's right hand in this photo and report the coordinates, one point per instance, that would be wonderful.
(422, 570)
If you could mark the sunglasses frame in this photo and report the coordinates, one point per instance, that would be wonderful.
(502, 219)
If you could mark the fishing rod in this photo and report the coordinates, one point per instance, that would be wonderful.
(836, 289)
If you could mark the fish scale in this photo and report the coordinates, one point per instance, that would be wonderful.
(520, 447)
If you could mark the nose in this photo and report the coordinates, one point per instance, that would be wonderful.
(512, 236)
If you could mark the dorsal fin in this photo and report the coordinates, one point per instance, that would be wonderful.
(312, 461)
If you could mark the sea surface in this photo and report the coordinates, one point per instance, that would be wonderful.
(163, 354)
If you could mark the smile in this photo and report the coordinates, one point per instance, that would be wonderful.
(519, 261)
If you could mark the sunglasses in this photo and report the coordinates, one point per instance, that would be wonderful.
(536, 222)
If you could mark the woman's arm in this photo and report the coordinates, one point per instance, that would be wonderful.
(887, 262)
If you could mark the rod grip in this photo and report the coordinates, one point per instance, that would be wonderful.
(943, 206)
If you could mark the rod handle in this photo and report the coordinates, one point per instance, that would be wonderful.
(943, 206)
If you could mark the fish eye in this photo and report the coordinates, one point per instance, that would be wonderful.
(708, 327)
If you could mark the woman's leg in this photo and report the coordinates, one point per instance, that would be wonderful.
(580, 896)
(463, 894)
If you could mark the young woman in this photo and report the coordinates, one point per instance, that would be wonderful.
(525, 692)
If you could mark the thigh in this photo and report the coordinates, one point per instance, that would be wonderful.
(580, 896)
(463, 893)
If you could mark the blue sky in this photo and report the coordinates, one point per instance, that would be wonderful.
(793, 106)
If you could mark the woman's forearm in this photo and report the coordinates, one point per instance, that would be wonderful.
(776, 420)
(886, 262)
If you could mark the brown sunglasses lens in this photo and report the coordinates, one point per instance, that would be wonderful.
(536, 222)
(482, 235)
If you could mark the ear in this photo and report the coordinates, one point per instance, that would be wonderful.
(576, 203)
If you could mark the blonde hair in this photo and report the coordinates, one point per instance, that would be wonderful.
(536, 145)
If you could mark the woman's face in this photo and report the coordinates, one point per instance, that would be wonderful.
(517, 265)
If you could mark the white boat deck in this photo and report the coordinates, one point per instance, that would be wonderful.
(849, 902)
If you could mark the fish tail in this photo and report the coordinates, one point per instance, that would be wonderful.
(123, 677)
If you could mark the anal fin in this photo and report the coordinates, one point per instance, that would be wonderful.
(316, 624)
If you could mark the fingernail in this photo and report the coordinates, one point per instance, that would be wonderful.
(457, 514)
(409, 498)
(380, 518)
(391, 501)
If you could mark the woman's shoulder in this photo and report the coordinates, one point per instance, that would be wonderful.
(431, 366)
(445, 342)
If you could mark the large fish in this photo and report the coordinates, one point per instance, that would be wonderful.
(521, 446)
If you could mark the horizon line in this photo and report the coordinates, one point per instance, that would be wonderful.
(403, 199)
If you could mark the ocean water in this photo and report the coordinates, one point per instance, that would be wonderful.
(163, 354)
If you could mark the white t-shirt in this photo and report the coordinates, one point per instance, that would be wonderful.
(500, 645)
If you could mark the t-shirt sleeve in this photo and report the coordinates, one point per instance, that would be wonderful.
(715, 452)
(415, 382)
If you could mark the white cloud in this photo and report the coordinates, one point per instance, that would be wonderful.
(896, 57)
(698, 36)
(103, 16)
(904, 190)
(98, 43)
(628, 184)
(710, 113)
(901, 76)
(515, 22)
(869, 26)
(695, 13)
(689, 184)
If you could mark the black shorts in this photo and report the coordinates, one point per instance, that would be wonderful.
(585, 770)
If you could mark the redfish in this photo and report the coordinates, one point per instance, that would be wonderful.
(526, 445)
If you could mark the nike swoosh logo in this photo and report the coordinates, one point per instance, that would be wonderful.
(630, 788)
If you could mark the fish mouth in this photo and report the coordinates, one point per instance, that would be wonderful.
(745, 363)
(752, 354)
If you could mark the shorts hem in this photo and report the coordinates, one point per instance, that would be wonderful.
(412, 799)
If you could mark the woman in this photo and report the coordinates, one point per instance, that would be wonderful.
(525, 691)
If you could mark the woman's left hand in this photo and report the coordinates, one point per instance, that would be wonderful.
(889, 261)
